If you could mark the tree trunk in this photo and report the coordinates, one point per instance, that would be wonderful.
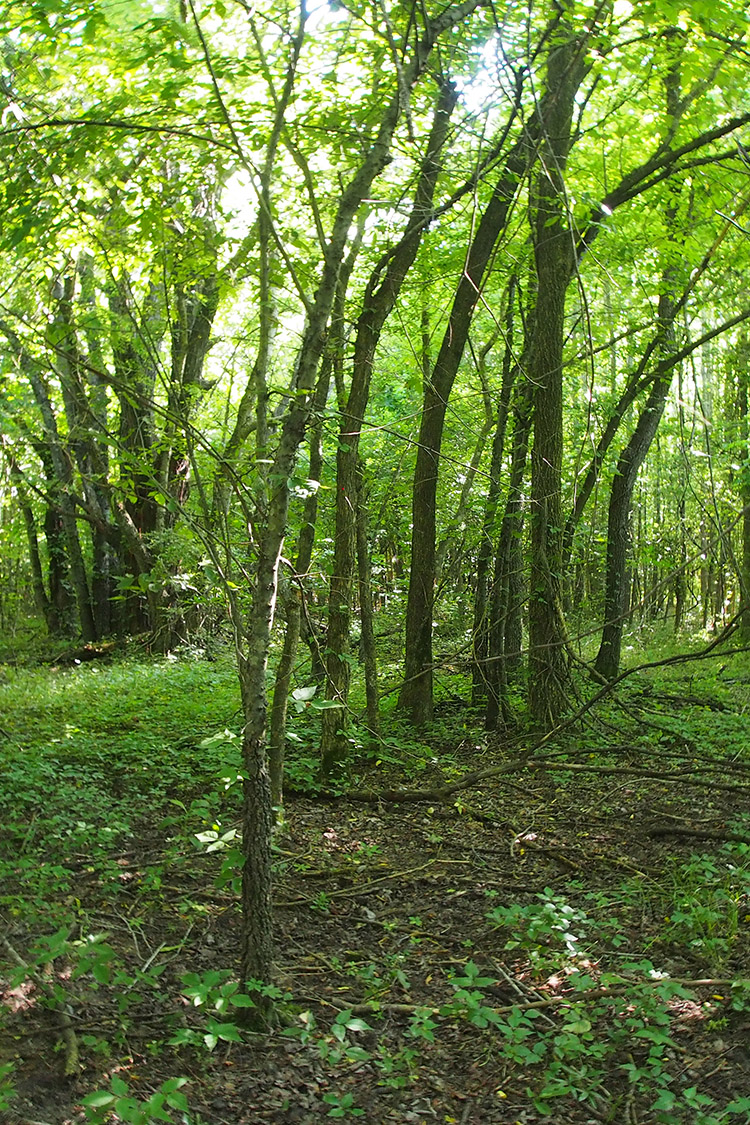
(294, 601)
(633, 455)
(416, 693)
(742, 360)
(504, 640)
(380, 297)
(481, 627)
(43, 603)
(618, 522)
(366, 617)
(256, 941)
(554, 254)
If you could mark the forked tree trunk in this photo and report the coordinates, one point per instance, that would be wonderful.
(270, 529)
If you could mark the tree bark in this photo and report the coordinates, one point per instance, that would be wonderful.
(554, 254)
(504, 640)
(481, 627)
(43, 603)
(294, 602)
(257, 941)
(629, 462)
(60, 462)
(607, 662)
(742, 359)
(366, 615)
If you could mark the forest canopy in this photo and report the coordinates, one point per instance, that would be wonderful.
(474, 274)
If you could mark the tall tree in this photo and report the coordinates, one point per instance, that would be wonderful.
(554, 256)
(379, 299)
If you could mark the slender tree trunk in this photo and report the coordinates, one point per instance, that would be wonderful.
(366, 615)
(481, 628)
(618, 521)
(633, 455)
(505, 597)
(743, 381)
(451, 545)
(58, 573)
(416, 693)
(256, 939)
(43, 603)
(294, 601)
(87, 440)
(380, 297)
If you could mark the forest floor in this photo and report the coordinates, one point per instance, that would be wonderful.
(569, 939)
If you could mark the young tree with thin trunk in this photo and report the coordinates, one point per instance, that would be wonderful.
(271, 523)
(380, 296)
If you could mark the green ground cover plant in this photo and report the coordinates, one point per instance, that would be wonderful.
(120, 873)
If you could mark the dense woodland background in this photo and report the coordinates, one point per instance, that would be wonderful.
(400, 350)
(438, 318)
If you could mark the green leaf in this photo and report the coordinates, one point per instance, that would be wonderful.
(577, 1027)
(128, 1109)
(172, 1084)
(98, 1100)
(101, 973)
(227, 1031)
(177, 1100)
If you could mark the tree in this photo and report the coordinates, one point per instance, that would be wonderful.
(554, 256)
(380, 296)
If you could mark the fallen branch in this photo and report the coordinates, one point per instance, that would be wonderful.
(695, 778)
(569, 998)
(724, 834)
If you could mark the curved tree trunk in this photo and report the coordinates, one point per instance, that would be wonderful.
(270, 529)
(618, 527)
(607, 662)
(481, 627)
(504, 640)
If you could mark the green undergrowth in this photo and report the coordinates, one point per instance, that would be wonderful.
(87, 753)
(103, 763)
